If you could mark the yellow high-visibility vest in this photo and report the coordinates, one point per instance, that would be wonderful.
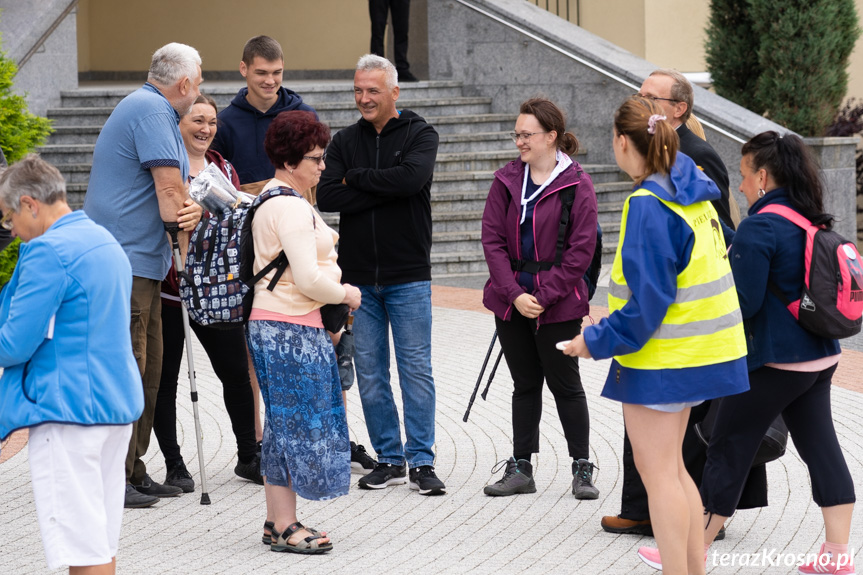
(703, 326)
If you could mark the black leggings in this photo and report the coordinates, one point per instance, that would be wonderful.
(803, 399)
(532, 357)
(633, 495)
(226, 349)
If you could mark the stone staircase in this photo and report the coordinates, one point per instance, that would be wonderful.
(473, 144)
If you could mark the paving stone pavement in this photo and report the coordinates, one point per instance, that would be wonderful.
(463, 532)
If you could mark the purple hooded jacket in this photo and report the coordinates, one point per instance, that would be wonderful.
(560, 290)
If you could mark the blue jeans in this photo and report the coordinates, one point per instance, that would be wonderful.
(407, 308)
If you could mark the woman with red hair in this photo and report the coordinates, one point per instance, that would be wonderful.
(305, 449)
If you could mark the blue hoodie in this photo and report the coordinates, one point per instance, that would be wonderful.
(656, 249)
(242, 127)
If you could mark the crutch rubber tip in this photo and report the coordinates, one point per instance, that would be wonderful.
(205, 498)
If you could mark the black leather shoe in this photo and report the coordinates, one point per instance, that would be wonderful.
(136, 500)
(150, 487)
(250, 470)
(406, 76)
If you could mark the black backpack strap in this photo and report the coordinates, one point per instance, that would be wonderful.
(774, 289)
(567, 198)
(280, 263)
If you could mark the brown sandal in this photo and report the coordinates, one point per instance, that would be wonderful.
(310, 545)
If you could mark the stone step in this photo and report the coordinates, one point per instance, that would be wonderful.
(72, 135)
(468, 262)
(63, 154)
(485, 131)
(475, 142)
(456, 242)
(312, 92)
(339, 113)
(613, 191)
(490, 132)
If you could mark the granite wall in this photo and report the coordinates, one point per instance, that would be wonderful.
(511, 50)
(54, 66)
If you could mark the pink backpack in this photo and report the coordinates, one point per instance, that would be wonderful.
(831, 304)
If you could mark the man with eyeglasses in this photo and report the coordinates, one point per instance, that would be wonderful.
(379, 176)
(243, 124)
(673, 93)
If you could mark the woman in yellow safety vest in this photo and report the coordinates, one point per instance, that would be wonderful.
(675, 331)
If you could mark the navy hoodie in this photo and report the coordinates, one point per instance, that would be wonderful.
(242, 127)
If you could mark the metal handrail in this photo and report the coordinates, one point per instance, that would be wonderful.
(44, 37)
(584, 62)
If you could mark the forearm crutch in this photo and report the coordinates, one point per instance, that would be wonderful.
(173, 228)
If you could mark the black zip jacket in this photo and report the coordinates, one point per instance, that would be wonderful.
(385, 225)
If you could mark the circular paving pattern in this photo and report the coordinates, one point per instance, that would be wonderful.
(398, 530)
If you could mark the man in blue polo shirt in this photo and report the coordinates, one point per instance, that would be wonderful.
(138, 181)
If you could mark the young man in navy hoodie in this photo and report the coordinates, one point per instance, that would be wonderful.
(240, 140)
(243, 124)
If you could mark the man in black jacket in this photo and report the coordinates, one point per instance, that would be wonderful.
(673, 93)
(378, 176)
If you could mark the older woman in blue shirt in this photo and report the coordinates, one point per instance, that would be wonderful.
(68, 369)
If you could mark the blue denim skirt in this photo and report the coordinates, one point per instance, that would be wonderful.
(305, 444)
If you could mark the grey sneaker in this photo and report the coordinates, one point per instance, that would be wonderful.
(517, 478)
(582, 480)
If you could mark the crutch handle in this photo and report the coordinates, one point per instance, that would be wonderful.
(173, 228)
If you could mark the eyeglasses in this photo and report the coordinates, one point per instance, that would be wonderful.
(6, 222)
(523, 136)
(654, 98)
(316, 159)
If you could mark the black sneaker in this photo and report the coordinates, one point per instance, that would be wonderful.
(150, 487)
(384, 475)
(179, 476)
(134, 499)
(582, 480)
(250, 470)
(361, 461)
(424, 480)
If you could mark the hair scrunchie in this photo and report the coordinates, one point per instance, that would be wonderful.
(651, 123)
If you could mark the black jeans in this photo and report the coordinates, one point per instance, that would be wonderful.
(532, 357)
(633, 496)
(803, 399)
(400, 10)
(226, 349)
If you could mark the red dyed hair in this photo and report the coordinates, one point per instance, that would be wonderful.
(292, 135)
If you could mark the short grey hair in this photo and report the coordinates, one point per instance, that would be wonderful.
(31, 176)
(371, 62)
(172, 62)
(681, 89)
